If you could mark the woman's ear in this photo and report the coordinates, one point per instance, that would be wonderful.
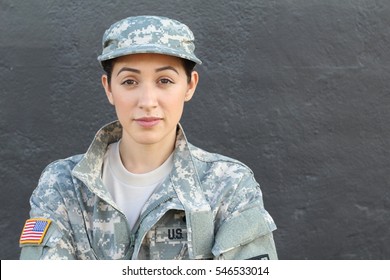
(107, 89)
(192, 86)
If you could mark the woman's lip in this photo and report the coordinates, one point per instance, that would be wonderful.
(148, 121)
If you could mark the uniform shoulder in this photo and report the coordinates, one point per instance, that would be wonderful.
(60, 168)
(65, 163)
(208, 157)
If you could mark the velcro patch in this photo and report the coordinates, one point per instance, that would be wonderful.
(34, 231)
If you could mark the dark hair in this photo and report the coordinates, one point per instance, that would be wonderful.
(108, 66)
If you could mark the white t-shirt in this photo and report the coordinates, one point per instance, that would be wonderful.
(131, 191)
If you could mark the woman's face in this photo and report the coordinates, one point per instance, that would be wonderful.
(148, 92)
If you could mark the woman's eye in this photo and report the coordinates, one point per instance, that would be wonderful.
(129, 82)
(165, 81)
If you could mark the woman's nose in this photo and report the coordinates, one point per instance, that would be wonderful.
(147, 97)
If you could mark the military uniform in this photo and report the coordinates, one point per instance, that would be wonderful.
(210, 207)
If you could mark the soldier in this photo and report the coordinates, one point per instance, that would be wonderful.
(142, 191)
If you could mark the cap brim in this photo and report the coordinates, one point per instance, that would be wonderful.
(157, 49)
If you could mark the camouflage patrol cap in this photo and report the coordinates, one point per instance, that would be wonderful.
(148, 34)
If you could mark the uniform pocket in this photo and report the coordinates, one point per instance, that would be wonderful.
(168, 238)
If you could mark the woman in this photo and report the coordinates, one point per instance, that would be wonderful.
(141, 191)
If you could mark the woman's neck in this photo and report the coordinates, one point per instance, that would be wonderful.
(140, 158)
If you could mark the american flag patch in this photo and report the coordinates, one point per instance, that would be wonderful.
(34, 231)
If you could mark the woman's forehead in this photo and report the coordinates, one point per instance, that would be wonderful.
(148, 60)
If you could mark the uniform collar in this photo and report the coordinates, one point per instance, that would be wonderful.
(89, 169)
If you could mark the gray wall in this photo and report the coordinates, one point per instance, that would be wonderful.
(298, 90)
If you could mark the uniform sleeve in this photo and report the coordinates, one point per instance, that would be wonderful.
(47, 202)
(246, 230)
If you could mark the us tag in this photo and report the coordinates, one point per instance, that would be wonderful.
(171, 234)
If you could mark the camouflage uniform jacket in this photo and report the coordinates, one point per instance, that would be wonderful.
(209, 207)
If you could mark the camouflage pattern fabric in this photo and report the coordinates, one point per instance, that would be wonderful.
(148, 34)
(210, 207)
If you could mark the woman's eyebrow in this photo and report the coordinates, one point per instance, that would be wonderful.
(139, 72)
(167, 68)
(129, 69)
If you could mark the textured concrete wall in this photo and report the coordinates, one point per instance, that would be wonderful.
(298, 90)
